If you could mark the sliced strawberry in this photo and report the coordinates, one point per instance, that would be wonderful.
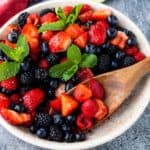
(84, 123)
(4, 101)
(87, 16)
(81, 41)
(44, 64)
(33, 19)
(85, 8)
(47, 35)
(120, 40)
(103, 22)
(97, 88)
(101, 14)
(33, 98)
(15, 118)
(84, 74)
(15, 98)
(56, 104)
(102, 110)
(131, 50)
(74, 30)
(82, 93)
(49, 17)
(67, 10)
(139, 56)
(59, 42)
(68, 104)
(10, 84)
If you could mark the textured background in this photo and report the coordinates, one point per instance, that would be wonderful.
(136, 138)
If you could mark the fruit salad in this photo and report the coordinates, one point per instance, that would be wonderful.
(45, 54)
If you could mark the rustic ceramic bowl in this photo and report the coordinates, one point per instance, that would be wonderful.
(120, 121)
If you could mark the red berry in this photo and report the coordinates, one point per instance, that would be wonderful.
(97, 89)
(49, 17)
(15, 98)
(87, 16)
(4, 101)
(84, 123)
(89, 108)
(10, 84)
(139, 56)
(44, 64)
(56, 104)
(85, 8)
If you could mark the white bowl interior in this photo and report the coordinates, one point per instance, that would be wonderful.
(120, 121)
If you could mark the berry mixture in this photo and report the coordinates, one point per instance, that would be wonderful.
(46, 54)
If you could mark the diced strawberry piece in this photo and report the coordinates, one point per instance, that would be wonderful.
(131, 50)
(33, 19)
(47, 35)
(15, 98)
(84, 123)
(67, 10)
(74, 30)
(82, 93)
(139, 56)
(49, 17)
(89, 108)
(101, 14)
(97, 88)
(9, 44)
(68, 104)
(4, 101)
(15, 118)
(84, 74)
(104, 22)
(87, 16)
(56, 104)
(97, 34)
(33, 98)
(81, 41)
(59, 42)
(44, 64)
(85, 8)
(102, 110)
(120, 40)
(10, 84)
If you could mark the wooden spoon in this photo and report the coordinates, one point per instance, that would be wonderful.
(119, 84)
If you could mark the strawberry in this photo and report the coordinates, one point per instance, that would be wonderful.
(46, 36)
(87, 16)
(139, 56)
(33, 98)
(85, 8)
(84, 74)
(89, 108)
(81, 41)
(49, 17)
(84, 123)
(33, 19)
(67, 10)
(59, 42)
(103, 22)
(15, 98)
(102, 110)
(97, 34)
(10, 84)
(44, 64)
(74, 30)
(4, 101)
(56, 104)
(101, 14)
(82, 93)
(97, 88)
(120, 40)
(68, 104)
(131, 50)
(9, 44)
(15, 118)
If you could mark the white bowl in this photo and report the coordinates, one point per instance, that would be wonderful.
(120, 121)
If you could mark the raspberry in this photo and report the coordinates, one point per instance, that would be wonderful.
(41, 74)
(139, 56)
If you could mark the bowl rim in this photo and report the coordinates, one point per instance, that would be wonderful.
(80, 145)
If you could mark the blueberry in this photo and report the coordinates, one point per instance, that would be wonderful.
(13, 36)
(44, 48)
(51, 93)
(80, 136)
(41, 133)
(46, 10)
(54, 83)
(120, 55)
(66, 128)
(58, 119)
(88, 24)
(132, 41)
(114, 64)
(127, 61)
(33, 129)
(90, 49)
(22, 19)
(68, 86)
(111, 33)
(69, 137)
(105, 46)
(113, 21)
(70, 119)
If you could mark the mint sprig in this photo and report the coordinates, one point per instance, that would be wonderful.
(75, 61)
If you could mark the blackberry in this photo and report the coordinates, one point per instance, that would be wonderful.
(90, 49)
(43, 120)
(41, 74)
(55, 133)
(80, 136)
(132, 41)
(22, 19)
(54, 83)
(69, 137)
(113, 21)
(68, 86)
(88, 24)
(58, 119)
(52, 59)
(13, 36)
(44, 48)
(41, 133)
(51, 93)
(46, 10)
(27, 78)
(127, 61)
(70, 120)
(111, 33)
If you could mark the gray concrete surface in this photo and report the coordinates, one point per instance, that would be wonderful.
(136, 138)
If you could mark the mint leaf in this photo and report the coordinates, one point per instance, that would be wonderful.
(57, 70)
(54, 26)
(88, 60)
(74, 14)
(74, 54)
(8, 69)
(21, 51)
(60, 14)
